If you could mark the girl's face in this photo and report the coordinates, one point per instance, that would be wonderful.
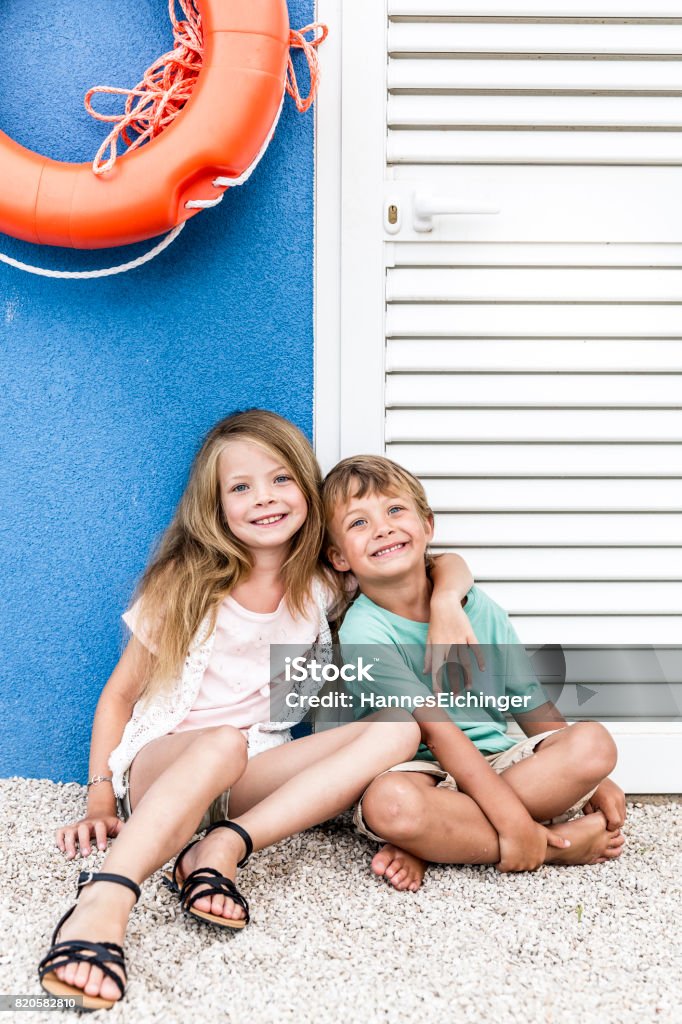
(262, 503)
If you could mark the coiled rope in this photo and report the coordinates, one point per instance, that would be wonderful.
(167, 84)
(156, 101)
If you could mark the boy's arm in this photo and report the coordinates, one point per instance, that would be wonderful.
(544, 718)
(449, 623)
(523, 842)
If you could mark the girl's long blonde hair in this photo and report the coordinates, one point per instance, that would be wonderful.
(199, 560)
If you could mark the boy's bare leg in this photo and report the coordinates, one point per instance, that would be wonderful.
(562, 769)
(441, 825)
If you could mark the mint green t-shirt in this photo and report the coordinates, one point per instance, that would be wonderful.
(398, 670)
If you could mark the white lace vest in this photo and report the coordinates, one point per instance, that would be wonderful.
(160, 716)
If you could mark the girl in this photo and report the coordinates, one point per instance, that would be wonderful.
(187, 706)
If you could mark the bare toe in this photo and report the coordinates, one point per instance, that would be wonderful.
(93, 985)
(218, 906)
(70, 973)
(382, 859)
(236, 913)
(83, 975)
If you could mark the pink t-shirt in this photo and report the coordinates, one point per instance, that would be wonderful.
(235, 688)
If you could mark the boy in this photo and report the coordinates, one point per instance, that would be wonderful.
(510, 802)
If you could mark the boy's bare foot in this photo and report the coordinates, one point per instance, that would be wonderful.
(220, 850)
(403, 870)
(591, 841)
(101, 915)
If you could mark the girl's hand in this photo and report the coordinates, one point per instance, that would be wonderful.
(450, 638)
(81, 834)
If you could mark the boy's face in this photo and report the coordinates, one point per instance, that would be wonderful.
(379, 537)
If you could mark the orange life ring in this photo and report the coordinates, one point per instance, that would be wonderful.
(220, 133)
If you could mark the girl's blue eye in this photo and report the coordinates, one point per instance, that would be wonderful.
(282, 476)
(395, 508)
(238, 487)
(355, 522)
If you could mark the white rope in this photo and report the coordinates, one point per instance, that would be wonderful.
(107, 272)
(207, 204)
(192, 204)
(202, 204)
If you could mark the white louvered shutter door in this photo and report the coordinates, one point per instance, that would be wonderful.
(529, 363)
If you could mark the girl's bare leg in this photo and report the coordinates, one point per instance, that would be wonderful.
(297, 785)
(268, 771)
(173, 780)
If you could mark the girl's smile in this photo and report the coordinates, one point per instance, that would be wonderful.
(270, 520)
(261, 501)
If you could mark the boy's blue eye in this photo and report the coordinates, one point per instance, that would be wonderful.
(355, 522)
(396, 508)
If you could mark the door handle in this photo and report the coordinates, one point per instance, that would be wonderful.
(426, 206)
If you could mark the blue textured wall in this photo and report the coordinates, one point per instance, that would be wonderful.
(107, 386)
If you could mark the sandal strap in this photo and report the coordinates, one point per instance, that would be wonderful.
(174, 883)
(248, 842)
(98, 954)
(86, 877)
(214, 884)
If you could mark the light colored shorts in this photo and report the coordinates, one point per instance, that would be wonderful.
(500, 762)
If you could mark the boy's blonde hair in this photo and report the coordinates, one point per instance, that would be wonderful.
(199, 560)
(354, 478)
(370, 474)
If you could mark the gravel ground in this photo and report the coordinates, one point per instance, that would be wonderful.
(329, 943)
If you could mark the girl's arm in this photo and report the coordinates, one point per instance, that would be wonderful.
(449, 624)
(451, 577)
(114, 708)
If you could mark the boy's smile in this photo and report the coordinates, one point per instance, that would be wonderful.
(378, 537)
(400, 546)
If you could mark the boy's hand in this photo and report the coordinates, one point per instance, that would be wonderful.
(610, 800)
(450, 638)
(525, 848)
(95, 826)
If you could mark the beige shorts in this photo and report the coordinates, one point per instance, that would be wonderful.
(216, 812)
(500, 762)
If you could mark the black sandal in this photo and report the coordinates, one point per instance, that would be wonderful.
(79, 951)
(218, 885)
